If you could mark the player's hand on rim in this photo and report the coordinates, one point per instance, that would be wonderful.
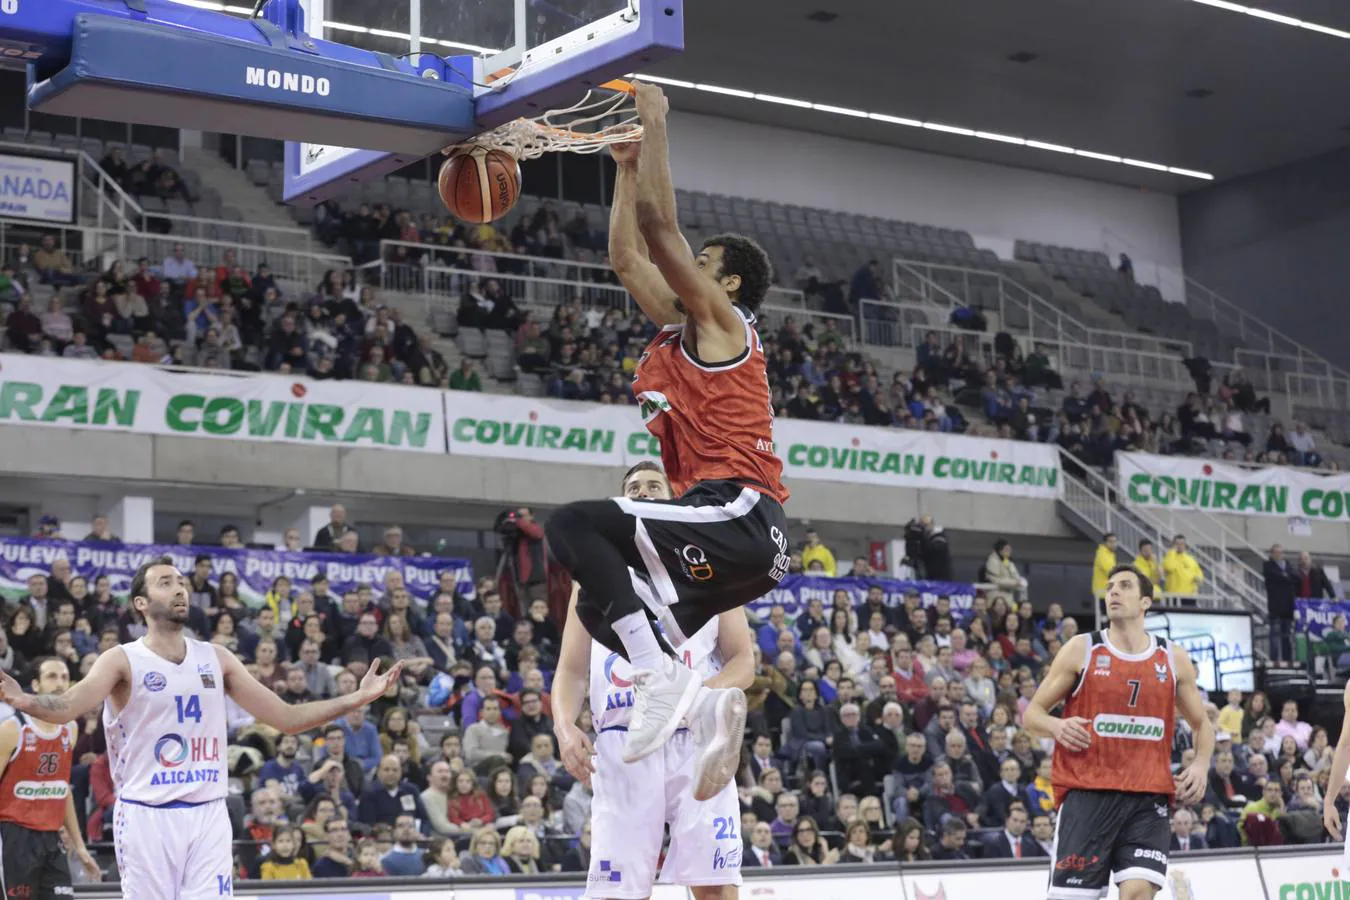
(1073, 733)
(1191, 784)
(626, 153)
(577, 752)
(1331, 817)
(650, 100)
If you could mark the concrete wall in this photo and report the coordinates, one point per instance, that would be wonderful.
(127, 459)
(1327, 538)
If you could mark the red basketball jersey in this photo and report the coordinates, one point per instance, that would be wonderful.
(1131, 700)
(714, 422)
(34, 787)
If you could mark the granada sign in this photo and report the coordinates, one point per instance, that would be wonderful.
(133, 397)
(602, 435)
(1180, 483)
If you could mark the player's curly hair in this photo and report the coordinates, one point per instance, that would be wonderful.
(744, 256)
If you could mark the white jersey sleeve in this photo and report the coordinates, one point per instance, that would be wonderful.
(612, 677)
(167, 745)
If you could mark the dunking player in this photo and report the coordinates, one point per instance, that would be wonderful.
(635, 801)
(1112, 767)
(164, 716)
(704, 393)
(35, 800)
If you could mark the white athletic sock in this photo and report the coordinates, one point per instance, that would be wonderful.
(635, 630)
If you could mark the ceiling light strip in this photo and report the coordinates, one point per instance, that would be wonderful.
(1275, 17)
(930, 126)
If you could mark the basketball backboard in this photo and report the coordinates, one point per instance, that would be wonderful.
(357, 88)
(519, 57)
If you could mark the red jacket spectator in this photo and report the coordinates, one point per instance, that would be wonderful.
(105, 796)
(464, 808)
(910, 684)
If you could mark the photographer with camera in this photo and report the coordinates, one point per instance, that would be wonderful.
(522, 569)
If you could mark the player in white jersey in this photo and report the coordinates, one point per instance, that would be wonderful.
(633, 802)
(164, 716)
(1331, 816)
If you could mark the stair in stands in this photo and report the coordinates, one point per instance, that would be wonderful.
(252, 202)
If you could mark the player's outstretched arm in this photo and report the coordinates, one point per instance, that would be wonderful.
(737, 650)
(1191, 782)
(1063, 675)
(569, 688)
(627, 249)
(108, 671)
(259, 701)
(1331, 816)
(703, 300)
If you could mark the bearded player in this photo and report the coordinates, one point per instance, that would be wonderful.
(634, 802)
(1112, 769)
(704, 393)
(163, 702)
(35, 799)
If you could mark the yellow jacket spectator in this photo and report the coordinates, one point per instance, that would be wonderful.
(1181, 573)
(1103, 563)
(285, 863)
(1148, 564)
(814, 551)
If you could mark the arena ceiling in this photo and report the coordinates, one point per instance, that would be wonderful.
(1175, 82)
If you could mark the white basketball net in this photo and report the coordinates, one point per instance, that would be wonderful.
(600, 118)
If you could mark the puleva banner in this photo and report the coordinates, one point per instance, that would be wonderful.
(231, 406)
(796, 591)
(1179, 482)
(595, 434)
(21, 558)
(1315, 617)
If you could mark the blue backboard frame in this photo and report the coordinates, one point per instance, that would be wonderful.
(657, 33)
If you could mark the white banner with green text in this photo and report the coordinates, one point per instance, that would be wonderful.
(560, 431)
(121, 396)
(1179, 482)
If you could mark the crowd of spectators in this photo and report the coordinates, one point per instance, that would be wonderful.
(216, 317)
(875, 731)
(154, 176)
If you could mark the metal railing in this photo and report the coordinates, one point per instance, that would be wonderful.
(1230, 582)
(286, 264)
(462, 259)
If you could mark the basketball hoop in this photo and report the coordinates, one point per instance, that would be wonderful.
(579, 128)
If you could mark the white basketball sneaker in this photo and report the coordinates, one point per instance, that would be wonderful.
(717, 724)
(662, 697)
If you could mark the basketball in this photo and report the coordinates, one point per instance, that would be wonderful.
(479, 184)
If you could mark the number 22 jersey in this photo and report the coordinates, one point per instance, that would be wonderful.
(167, 745)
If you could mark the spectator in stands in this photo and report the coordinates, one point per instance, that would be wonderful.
(53, 265)
(1184, 836)
(1013, 842)
(286, 345)
(486, 740)
(23, 328)
(465, 378)
(807, 847)
(12, 285)
(813, 550)
(482, 857)
(327, 536)
(1290, 726)
(1312, 579)
(1260, 818)
(1001, 572)
(393, 544)
(1304, 446)
(1103, 562)
(177, 269)
(1181, 572)
(389, 795)
(1282, 586)
(951, 846)
(1147, 562)
(56, 323)
(336, 859)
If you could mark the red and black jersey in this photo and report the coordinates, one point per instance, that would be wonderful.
(36, 781)
(714, 421)
(1130, 700)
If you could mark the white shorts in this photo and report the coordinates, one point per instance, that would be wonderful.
(174, 852)
(634, 802)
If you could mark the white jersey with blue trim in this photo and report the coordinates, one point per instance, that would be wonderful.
(612, 675)
(167, 745)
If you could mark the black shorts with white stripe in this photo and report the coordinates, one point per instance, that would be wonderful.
(34, 864)
(1105, 836)
(719, 546)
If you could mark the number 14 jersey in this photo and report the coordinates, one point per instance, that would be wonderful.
(167, 745)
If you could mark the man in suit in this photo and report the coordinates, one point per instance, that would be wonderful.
(761, 756)
(327, 536)
(952, 844)
(1183, 823)
(1312, 581)
(1281, 589)
(858, 753)
(1225, 783)
(1043, 833)
(1013, 842)
(995, 803)
(761, 850)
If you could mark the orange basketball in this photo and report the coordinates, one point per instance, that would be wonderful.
(479, 184)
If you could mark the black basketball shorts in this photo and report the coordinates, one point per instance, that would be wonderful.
(35, 864)
(1104, 836)
(717, 547)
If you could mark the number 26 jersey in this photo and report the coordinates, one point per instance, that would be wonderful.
(167, 745)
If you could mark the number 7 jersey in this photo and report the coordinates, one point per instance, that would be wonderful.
(1130, 702)
(167, 745)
